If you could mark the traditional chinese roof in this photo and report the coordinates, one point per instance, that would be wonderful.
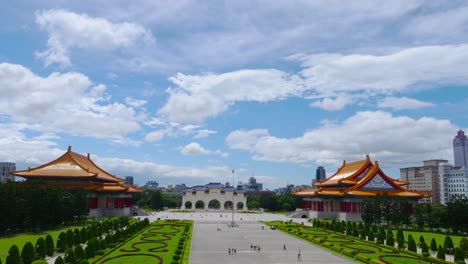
(70, 165)
(360, 178)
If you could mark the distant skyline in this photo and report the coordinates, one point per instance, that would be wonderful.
(186, 91)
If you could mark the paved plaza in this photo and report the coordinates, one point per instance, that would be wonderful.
(211, 246)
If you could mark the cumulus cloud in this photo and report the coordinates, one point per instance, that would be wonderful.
(157, 135)
(395, 140)
(333, 104)
(135, 102)
(71, 30)
(198, 97)
(203, 133)
(402, 103)
(67, 102)
(195, 148)
(398, 71)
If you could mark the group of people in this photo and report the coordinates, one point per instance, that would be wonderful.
(219, 229)
(255, 248)
(232, 251)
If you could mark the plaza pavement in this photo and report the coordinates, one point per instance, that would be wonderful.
(210, 246)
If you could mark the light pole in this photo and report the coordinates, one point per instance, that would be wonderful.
(233, 202)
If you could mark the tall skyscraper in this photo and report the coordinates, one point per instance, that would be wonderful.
(460, 149)
(320, 174)
(5, 168)
(129, 180)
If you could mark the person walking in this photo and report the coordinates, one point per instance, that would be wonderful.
(299, 258)
(284, 247)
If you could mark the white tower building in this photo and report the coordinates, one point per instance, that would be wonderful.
(460, 149)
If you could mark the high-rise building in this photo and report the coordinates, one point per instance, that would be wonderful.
(460, 149)
(425, 179)
(320, 174)
(5, 168)
(129, 180)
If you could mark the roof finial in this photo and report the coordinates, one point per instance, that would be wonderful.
(69, 148)
(88, 156)
(376, 163)
(367, 157)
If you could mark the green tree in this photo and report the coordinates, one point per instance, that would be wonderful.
(438, 216)
(411, 243)
(448, 245)
(13, 256)
(381, 235)
(70, 238)
(390, 241)
(49, 245)
(59, 260)
(441, 253)
(62, 242)
(70, 257)
(433, 245)
(456, 208)
(76, 236)
(41, 249)
(79, 253)
(400, 238)
(156, 200)
(464, 247)
(458, 257)
(371, 236)
(28, 254)
(424, 248)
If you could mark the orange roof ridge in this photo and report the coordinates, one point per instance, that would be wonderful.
(346, 171)
(371, 174)
(99, 176)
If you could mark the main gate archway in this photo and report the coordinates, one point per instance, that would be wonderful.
(214, 197)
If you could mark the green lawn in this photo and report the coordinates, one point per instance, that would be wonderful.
(156, 243)
(21, 239)
(361, 251)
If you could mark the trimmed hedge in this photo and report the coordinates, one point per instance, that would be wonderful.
(13, 255)
(28, 254)
(49, 246)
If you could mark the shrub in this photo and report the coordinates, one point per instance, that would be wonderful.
(381, 235)
(70, 257)
(426, 254)
(390, 241)
(176, 257)
(13, 255)
(79, 253)
(49, 245)
(41, 247)
(62, 242)
(411, 243)
(83, 235)
(433, 245)
(28, 254)
(84, 261)
(448, 244)
(400, 238)
(39, 261)
(424, 248)
(91, 248)
(464, 247)
(59, 260)
(76, 237)
(440, 253)
(371, 236)
(70, 237)
(458, 256)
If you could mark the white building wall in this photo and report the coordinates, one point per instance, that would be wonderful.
(5, 168)
(454, 182)
(213, 193)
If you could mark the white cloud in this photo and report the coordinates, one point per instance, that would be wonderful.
(67, 102)
(158, 134)
(395, 140)
(203, 133)
(135, 102)
(199, 97)
(71, 30)
(402, 103)
(195, 148)
(329, 73)
(333, 104)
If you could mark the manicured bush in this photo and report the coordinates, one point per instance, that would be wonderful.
(41, 249)
(79, 253)
(464, 247)
(381, 235)
(458, 256)
(91, 248)
(400, 238)
(70, 238)
(424, 247)
(411, 243)
(371, 236)
(28, 254)
(39, 261)
(49, 246)
(441, 253)
(76, 237)
(83, 235)
(62, 242)
(448, 244)
(433, 245)
(13, 255)
(84, 261)
(69, 256)
(59, 260)
(390, 241)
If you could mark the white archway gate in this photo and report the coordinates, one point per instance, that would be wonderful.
(211, 192)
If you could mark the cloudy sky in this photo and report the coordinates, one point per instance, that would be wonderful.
(187, 91)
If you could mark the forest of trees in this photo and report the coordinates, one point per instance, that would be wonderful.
(28, 206)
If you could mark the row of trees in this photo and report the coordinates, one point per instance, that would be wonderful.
(157, 200)
(30, 205)
(384, 235)
(274, 203)
(97, 236)
(397, 212)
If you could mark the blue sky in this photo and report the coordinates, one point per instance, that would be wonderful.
(186, 91)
